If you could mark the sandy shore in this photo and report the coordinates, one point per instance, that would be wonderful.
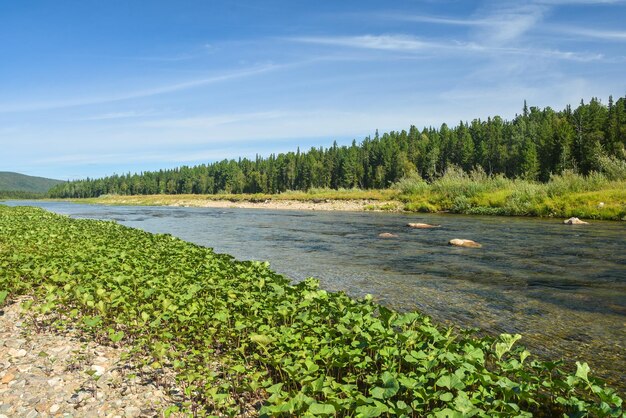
(334, 205)
(355, 205)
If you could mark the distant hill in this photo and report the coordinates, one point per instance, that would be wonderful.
(22, 183)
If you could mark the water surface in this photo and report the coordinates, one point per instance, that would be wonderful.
(562, 287)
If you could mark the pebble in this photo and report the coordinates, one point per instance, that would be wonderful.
(98, 369)
(31, 414)
(42, 407)
(17, 353)
(132, 411)
(7, 378)
(15, 343)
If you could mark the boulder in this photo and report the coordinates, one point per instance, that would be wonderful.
(421, 225)
(387, 235)
(464, 243)
(575, 221)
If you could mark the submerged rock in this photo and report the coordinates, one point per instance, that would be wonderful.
(421, 225)
(387, 235)
(575, 221)
(464, 243)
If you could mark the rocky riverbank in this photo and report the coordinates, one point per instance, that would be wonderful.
(45, 372)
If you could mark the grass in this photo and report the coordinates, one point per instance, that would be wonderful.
(564, 196)
(234, 331)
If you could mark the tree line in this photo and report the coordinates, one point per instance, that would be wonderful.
(20, 194)
(534, 145)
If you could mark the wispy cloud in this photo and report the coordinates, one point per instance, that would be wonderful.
(119, 115)
(498, 24)
(605, 35)
(409, 44)
(214, 120)
(439, 20)
(382, 42)
(163, 89)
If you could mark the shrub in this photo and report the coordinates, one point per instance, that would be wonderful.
(613, 168)
(412, 184)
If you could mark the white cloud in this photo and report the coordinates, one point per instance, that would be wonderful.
(382, 42)
(605, 35)
(118, 115)
(211, 121)
(410, 44)
(498, 24)
(441, 20)
(163, 89)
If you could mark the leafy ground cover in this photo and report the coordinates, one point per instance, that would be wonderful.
(234, 331)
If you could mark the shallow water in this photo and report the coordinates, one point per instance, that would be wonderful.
(562, 287)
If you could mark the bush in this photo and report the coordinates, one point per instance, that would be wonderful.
(412, 184)
(525, 198)
(613, 168)
(572, 182)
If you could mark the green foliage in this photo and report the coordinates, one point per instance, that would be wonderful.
(13, 194)
(613, 168)
(412, 184)
(307, 351)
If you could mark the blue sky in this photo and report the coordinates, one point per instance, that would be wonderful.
(91, 88)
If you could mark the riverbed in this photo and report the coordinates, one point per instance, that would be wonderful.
(562, 287)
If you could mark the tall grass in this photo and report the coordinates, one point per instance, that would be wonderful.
(594, 196)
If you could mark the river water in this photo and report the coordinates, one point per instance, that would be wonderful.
(562, 287)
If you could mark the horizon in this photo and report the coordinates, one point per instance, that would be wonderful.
(92, 89)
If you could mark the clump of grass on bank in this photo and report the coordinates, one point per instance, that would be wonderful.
(570, 194)
(230, 329)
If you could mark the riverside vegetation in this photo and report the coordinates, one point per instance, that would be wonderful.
(542, 163)
(234, 331)
(595, 196)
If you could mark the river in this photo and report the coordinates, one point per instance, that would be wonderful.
(562, 287)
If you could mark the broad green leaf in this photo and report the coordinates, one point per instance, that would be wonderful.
(322, 409)
(450, 381)
(371, 411)
(92, 321)
(582, 370)
(507, 341)
(261, 339)
(389, 388)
